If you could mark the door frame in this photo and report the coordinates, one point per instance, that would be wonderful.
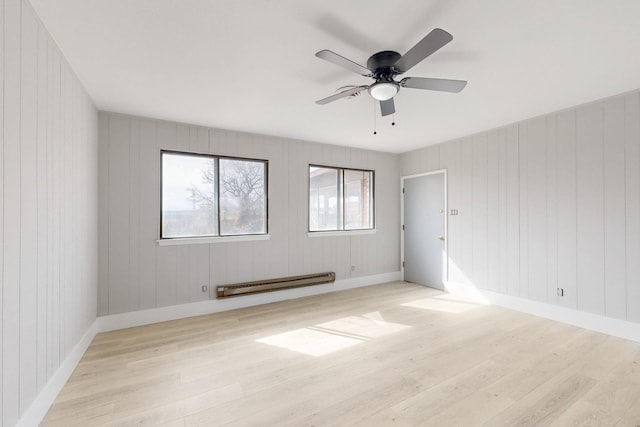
(445, 273)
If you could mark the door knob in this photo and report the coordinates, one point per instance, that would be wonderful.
(440, 237)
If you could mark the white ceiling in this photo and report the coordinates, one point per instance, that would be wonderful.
(249, 65)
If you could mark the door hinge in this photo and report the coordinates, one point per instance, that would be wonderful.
(402, 227)
(402, 190)
(402, 264)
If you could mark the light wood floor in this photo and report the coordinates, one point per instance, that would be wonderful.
(395, 354)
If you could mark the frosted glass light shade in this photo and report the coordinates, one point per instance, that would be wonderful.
(383, 91)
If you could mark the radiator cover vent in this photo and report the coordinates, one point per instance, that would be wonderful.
(270, 285)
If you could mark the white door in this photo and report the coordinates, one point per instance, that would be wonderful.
(424, 211)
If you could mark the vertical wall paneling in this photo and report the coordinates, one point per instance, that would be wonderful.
(118, 208)
(422, 156)
(277, 258)
(632, 203)
(42, 209)
(493, 212)
(552, 211)
(536, 217)
(56, 214)
(466, 211)
(614, 209)
(65, 221)
(356, 257)
(12, 220)
(149, 215)
(48, 209)
(43, 154)
(411, 163)
(231, 274)
(513, 211)
(297, 218)
(523, 175)
(28, 207)
(1, 206)
(257, 267)
(567, 208)
(432, 157)
(103, 216)
(502, 216)
(590, 205)
(480, 211)
(197, 268)
(134, 213)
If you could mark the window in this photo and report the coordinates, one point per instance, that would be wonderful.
(340, 199)
(204, 195)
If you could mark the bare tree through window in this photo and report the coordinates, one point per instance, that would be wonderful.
(224, 191)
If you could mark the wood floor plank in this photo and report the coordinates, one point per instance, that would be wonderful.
(394, 354)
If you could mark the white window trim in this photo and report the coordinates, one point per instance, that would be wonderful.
(340, 233)
(212, 239)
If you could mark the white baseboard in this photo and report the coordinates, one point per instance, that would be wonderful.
(163, 314)
(38, 409)
(595, 322)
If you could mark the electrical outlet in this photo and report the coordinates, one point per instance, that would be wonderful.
(204, 288)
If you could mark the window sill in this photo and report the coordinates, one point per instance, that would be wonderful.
(208, 240)
(339, 233)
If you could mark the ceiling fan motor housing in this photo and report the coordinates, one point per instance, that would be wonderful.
(381, 64)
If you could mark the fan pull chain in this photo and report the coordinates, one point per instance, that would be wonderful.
(375, 130)
(393, 123)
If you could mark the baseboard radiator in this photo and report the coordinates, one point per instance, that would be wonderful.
(270, 285)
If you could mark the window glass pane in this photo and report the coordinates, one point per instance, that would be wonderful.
(242, 197)
(358, 206)
(323, 199)
(188, 196)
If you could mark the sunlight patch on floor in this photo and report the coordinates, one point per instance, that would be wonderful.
(447, 303)
(328, 337)
(310, 341)
(363, 326)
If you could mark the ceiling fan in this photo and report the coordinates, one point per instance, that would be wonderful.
(384, 66)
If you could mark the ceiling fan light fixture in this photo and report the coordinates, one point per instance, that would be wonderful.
(383, 91)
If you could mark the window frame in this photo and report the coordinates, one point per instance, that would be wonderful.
(340, 203)
(216, 158)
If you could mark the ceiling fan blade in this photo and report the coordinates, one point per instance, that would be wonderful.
(334, 58)
(425, 47)
(443, 85)
(387, 107)
(342, 94)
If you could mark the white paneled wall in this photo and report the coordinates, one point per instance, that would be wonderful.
(550, 202)
(48, 209)
(135, 273)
